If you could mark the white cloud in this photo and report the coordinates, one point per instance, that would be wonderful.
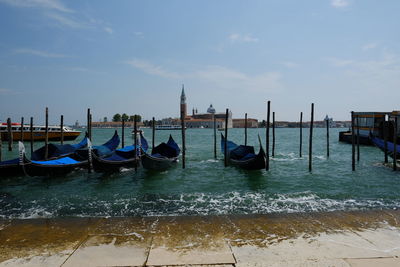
(108, 30)
(38, 53)
(247, 38)
(217, 77)
(149, 68)
(139, 34)
(369, 46)
(233, 80)
(5, 91)
(67, 21)
(289, 64)
(46, 4)
(339, 62)
(340, 3)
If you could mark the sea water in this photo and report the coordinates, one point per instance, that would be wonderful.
(206, 187)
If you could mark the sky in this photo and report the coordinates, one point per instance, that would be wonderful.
(133, 57)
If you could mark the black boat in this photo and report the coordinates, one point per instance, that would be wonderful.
(162, 156)
(120, 158)
(390, 146)
(13, 167)
(79, 159)
(244, 156)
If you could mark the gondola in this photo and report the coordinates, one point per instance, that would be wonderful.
(120, 158)
(390, 146)
(12, 167)
(162, 157)
(80, 159)
(244, 156)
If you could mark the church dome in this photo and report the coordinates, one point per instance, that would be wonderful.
(211, 109)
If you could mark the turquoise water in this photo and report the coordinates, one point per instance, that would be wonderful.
(207, 187)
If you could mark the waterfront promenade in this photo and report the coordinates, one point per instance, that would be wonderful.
(369, 238)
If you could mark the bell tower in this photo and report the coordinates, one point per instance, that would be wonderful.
(183, 102)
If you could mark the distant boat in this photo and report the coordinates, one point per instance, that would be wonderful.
(39, 132)
(162, 156)
(168, 127)
(244, 156)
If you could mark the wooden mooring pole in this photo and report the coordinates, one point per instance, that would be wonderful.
(395, 144)
(353, 150)
(358, 138)
(267, 136)
(31, 129)
(215, 137)
(135, 140)
(123, 133)
(88, 124)
(1, 146)
(385, 137)
(327, 138)
(301, 133)
(273, 134)
(22, 130)
(62, 129)
(226, 139)
(10, 135)
(46, 138)
(245, 129)
(311, 139)
(153, 132)
(183, 139)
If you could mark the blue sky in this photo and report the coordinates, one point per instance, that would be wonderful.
(134, 56)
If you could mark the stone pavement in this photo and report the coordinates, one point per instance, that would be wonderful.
(319, 239)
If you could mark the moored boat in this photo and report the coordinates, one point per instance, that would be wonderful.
(127, 157)
(38, 133)
(162, 157)
(80, 159)
(244, 156)
(380, 143)
(12, 167)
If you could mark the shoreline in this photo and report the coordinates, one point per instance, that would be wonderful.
(327, 238)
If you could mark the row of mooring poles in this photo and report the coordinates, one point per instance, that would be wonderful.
(301, 135)
(31, 136)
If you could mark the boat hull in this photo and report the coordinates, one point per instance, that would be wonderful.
(347, 138)
(102, 165)
(157, 164)
(257, 163)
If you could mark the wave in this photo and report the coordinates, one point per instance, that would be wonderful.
(191, 204)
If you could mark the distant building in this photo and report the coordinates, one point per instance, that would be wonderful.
(200, 120)
(114, 124)
(240, 123)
